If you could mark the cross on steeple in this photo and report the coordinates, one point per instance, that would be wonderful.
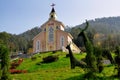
(53, 5)
(52, 13)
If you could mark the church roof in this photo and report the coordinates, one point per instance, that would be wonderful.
(67, 34)
(41, 33)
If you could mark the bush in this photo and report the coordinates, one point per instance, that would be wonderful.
(14, 65)
(33, 58)
(49, 59)
(67, 55)
(106, 53)
(98, 53)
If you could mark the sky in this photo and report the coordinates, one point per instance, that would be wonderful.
(18, 16)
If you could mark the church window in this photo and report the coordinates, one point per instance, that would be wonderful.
(51, 34)
(44, 29)
(51, 16)
(62, 41)
(57, 27)
(38, 46)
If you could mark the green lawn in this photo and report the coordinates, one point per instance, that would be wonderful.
(59, 70)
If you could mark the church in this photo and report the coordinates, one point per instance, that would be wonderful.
(53, 37)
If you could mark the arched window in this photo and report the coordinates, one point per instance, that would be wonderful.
(62, 41)
(57, 27)
(44, 29)
(38, 46)
(51, 34)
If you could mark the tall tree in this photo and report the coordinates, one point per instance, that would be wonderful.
(4, 37)
(117, 60)
(90, 57)
(4, 68)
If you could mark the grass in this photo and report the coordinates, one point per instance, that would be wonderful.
(59, 70)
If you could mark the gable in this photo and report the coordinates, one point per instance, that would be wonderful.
(53, 23)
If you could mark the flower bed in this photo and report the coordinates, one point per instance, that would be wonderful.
(16, 64)
(15, 71)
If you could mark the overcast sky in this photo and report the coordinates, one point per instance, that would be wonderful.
(17, 16)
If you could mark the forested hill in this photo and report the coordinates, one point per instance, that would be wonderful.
(100, 25)
(106, 25)
(30, 33)
(110, 25)
(21, 42)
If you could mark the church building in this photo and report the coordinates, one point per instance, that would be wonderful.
(53, 37)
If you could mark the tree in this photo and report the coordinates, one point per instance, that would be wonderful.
(4, 66)
(98, 51)
(117, 60)
(90, 57)
(4, 37)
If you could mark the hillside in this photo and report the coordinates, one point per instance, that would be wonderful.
(104, 25)
(59, 70)
(107, 31)
(29, 35)
(109, 27)
(100, 25)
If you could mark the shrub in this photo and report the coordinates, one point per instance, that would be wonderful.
(106, 53)
(14, 65)
(98, 54)
(67, 55)
(33, 58)
(49, 59)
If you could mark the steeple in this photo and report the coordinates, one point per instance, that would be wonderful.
(52, 13)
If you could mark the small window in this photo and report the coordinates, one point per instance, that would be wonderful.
(57, 27)
(51, 16)
(62, 41)
(44, 29)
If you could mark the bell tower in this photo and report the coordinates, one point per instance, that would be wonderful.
(52, 13)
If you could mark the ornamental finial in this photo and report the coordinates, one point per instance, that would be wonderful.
(53, 5)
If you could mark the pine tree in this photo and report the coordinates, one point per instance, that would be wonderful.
(117, 60)
(4, 62)
(90, 57)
